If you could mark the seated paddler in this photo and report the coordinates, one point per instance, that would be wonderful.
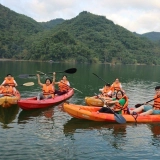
(119, 104)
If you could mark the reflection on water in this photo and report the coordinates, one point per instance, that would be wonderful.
(7, 115)
(26, 115)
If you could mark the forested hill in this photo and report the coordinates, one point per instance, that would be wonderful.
(92, 38)
(85, 38)
(52, 23)
(14, 28)
(153, 36)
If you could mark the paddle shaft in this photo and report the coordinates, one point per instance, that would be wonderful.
(71, 87)
(99, 78)
(70, 71)
(119, 118)
(152, 99)
(138, 105)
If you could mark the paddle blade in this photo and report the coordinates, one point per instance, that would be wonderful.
(26, 75)
(138, 105)
(42, 73)
(23, 76)
(28, 84)
(71, 70)
(119, 118)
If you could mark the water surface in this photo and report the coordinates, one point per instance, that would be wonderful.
(52, 134)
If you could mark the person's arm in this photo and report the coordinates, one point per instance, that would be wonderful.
(120, 85)
(15, 83)
(54, 78)
(39, 82)
(68, 83)
(3, 83)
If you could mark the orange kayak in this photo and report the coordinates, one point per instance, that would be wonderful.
(8, 101)
(90, 113)
(93, 101)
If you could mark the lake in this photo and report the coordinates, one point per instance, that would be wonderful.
(52, 134)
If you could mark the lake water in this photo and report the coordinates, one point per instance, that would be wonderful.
(52, 134)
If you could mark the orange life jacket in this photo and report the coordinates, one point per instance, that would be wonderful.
(156, 103)
(106, 90)
(63, 86)
(7, 91)
(48, 90)
(9, 82)
(116, 86)
(118, 107)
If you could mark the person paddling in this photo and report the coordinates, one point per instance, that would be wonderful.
(47, 88)
(148, 108)
(118, 104)
(63, 85)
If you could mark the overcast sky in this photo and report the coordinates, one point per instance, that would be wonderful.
(139, 16)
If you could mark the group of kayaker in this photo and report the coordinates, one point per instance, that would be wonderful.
(48, 88)
(112, 95)
(116, 99)
(7, 88)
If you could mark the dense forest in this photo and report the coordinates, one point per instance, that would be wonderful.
(87, 38)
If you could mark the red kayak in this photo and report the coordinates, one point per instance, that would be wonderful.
(33, 103)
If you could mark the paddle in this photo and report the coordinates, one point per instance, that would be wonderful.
(69, 71)
(27, 84)
(138, 105)
(119, 118)
(73, 88)
(27, 75)
(24, 84)
(99, 78)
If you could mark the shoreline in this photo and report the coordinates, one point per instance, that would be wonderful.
(49, 61)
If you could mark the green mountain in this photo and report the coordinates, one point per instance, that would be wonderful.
(85, 38)
(153, 36)
(96, 39)
(52, 23)
(14, 28)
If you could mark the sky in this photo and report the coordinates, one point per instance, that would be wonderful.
(140, 16)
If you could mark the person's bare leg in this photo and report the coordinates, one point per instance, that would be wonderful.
(137, 110)
(147, 112)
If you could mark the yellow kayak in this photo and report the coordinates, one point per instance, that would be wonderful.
(8, 101)
(93, 101)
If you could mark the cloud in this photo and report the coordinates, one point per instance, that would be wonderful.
(135, 15)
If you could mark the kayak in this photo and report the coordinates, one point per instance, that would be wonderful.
(93, 101)
(8, 101)
(33, 103)
(90, 113)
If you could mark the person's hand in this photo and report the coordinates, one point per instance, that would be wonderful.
(54, 73)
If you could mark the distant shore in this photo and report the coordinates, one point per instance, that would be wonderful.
(5, 59)
(50, 61)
